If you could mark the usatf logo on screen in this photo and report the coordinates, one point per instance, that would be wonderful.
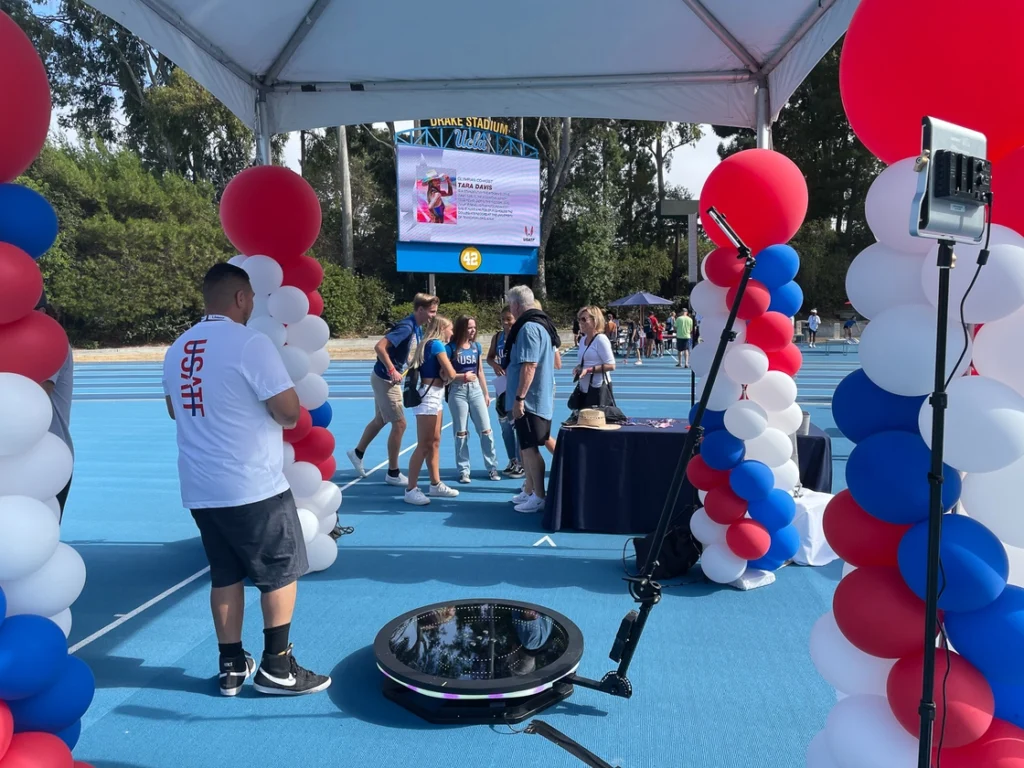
(470, 259)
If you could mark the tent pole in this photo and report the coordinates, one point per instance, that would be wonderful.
(764, 117)
(262, 130)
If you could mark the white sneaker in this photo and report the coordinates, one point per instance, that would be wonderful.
(464, 478)
(415, 496)
(520, 497)
(443, 491)
(357, 463)
(400, 480)
(494, 475)
(531, 505)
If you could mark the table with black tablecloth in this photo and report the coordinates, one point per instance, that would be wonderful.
(617, 481)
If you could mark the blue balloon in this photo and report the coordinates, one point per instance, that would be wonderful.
(1009, 702)
(721, 450)
(784, 546)
(776, 265)
(59, 705)
(752, 480)
(775, 511)
(974, 563)
(887, 475)
(33, 651)
(713, 421)
(861, 408)
(3, 606)
(991, 638)
(322, 416)
(71, 734)
(786, 299)
(27, 220)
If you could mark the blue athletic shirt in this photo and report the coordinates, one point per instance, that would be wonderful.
(465, 360)
(400, 341)
(431, 368)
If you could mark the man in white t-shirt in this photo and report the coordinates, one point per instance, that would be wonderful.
(231, 398)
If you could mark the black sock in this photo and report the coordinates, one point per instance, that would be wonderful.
(275, 640)
(394, 472)
(230, 650)
(359, 454)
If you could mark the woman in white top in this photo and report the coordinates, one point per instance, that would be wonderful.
(596, 358)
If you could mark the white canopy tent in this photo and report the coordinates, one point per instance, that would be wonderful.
(286, 65)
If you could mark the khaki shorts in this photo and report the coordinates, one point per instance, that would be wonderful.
(387, 400)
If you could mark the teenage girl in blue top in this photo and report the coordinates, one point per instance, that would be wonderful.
(470, 399)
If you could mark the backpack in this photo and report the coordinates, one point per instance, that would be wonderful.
(411, 396)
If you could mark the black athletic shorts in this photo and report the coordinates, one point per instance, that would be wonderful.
(261, 541)
(684, 344)
(532, 431)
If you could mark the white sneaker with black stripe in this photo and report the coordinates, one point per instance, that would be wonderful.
(282, 676)
(234, 672)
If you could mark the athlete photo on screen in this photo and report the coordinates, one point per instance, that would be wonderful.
(436, 199)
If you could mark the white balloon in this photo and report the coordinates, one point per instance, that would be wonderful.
(289, 454)
(788, 420)
(984, 425)
(706, 530)
(701, 495)
(843, 666)
(308, 503)
(312, 390)
(848, 569)
(904, 368)
(237, 261)
(787, 476)
(775, 391)
(310, 524)
(54, 507)
(63, 620)
(1016, 557)
(994, 350)
(40, 472)
(265, 274)
(310, 333)
(818, 753)
(881, 278)
(288, 304)
(771, 447)
(862, 732)
(991, 499)
(319, 361)
(29, 535)
(270, 327)
(327, 523)
(25, 413)
(998, 291)
(711, 328)
(260, 306)
(321, 553)
(296, 362)
(723, 394)
(706, 298)
(745, 363)
(887, 207)
(745, 419)
(50, 589)
(720, 565)
(303, 478)
(327, 498)
(701, 358)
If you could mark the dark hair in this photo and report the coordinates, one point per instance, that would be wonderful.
(221, 283)
(460, 334)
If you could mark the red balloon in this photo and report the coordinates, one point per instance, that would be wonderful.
(21, 283)
(859, 538)
(1008, 191)
(300, 430)
(304, 272)
(37, 750)
(761, 193)
(876, 611)
(964, 696)
(772, 331)
(270, 210)
(704, 478)
(35, 346)
(754, 303)
(789, 360)
(25, 94)
(82, 764)
(723, 266)
(1002, 746)
(316, 303)
(6, 728)
(723, 506)
(885, 94)
(316, 446)
(748, 539)
(328, 468)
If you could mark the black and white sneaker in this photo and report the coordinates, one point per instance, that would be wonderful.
(282, 676)
(234, 672)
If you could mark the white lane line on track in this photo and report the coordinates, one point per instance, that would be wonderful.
(184, 583)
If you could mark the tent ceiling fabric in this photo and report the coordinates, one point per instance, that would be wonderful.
(320, 63)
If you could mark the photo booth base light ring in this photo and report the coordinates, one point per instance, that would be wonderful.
(478, 660)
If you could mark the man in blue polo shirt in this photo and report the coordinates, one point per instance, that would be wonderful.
(393, 354)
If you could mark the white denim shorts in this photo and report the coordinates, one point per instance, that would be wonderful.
(431, 402)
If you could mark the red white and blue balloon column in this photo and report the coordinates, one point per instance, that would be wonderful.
(44, 691)
(745, 472)
(272, 215)
(869, 647)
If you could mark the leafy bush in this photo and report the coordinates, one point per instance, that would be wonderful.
(354, 305)
(487, 314)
